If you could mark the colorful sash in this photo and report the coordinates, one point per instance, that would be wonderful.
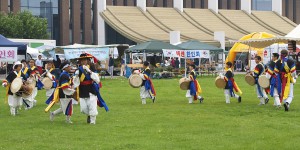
(8, 86)
(96, 87)
(232, 85)
(195, 88)
(148, 83)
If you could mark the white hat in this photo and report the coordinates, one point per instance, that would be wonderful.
(17, 63)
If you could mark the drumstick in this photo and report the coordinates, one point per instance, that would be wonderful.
(49, 106)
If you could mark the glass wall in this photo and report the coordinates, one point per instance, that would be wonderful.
(44, 9)
(264, 5)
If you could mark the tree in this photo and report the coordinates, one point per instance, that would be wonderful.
(23, 25)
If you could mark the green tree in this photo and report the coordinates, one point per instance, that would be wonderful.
(23, 25)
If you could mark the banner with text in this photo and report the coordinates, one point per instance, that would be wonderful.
(8, 54)
(186, 53)
(100, 53)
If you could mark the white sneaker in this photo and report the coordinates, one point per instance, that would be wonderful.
(51, 116)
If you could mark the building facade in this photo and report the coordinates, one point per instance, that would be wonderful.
(74, 21)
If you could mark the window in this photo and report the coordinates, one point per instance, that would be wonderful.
(193, 4)
(125, 2)
(220, 4)
(165, 3)
(263, 5)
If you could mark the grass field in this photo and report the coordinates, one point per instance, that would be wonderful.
(170, 123)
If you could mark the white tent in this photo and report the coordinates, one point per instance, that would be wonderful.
(32, 50)
(295, 33)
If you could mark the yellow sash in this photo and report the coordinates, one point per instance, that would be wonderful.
(8, 86)
(288, 75)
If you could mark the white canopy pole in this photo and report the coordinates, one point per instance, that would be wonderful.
(185, 64)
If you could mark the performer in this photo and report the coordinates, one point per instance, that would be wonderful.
(64, 93)
(286, 70)
(32, 73)
(147, 89)
(230, 85)
(275, 81)
(14, 100)
(51, 73)
(259, 70)
(194, 89)
(25, 68)
(89, 94)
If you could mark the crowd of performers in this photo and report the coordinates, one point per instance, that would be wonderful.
(281, 72)
(85, 85)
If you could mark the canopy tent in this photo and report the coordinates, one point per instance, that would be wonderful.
(262, 43)
(197, 45)
(241, 47)
(295, 33)
(4, 42)
(151, 47)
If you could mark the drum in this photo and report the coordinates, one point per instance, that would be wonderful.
(16, 85)
(135, 81)
(47, 83)
(263, 81)
(250, 79)
(184, 83)
(220, 83)
(26, 90)
(31, 81)
(75, 96)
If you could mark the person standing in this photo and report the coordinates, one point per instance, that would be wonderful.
(57, 63)
(275, 80)
(172, 62)
(39, 64)
(122, 72)
(177, 63)
(14, 99)
(230, 85)
(286, 69)
(147, 89)
(258, 71)
(111, 66)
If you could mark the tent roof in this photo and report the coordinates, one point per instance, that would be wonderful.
(152, 47)
(295, 33)
(196, 45)
(4, 42)
(262, 43)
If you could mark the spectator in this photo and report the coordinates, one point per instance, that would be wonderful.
(57, 63)
(111, 66)
(167, 62)
(39, 64)
(122, 67)
(172, 62)
(177, 63)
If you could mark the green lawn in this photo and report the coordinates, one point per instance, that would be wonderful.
(170, 123)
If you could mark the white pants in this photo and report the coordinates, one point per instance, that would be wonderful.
(290, 97)
(261, 98)
(190, 97)
(34, 93)
(144, 93)
(122, 72)
(111, 70)
(14, 102)
(88, 106)
(228, 95)
(276, 98)
(49, 92)
(64, 102)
